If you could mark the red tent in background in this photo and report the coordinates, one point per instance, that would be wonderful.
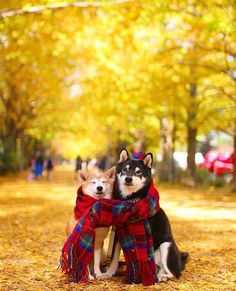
(223, 163)
(218, 161)
(209, 161)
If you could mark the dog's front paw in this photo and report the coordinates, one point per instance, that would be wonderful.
(164, 277)
(104, 276)
(91, 277)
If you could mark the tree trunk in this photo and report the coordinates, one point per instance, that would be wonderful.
(234, 153)
(140, 145)
(9, 155)
(173, 137)
(191, 167)
(234, 173)
(191, 139)
(114, 149)
(165, 165)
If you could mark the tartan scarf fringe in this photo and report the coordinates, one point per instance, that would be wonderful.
(133, 232)
(140, 272)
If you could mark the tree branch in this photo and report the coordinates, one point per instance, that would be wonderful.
(230, 96)
(58, 6)
(225, 131)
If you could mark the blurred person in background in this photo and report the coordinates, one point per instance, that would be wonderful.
(78, 166)
(31, 166)
(39, 166)
(103, 163)
(49, 165)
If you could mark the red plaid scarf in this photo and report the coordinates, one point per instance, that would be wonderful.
(133, 232)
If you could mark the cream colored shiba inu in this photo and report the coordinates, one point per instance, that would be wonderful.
(96, 185)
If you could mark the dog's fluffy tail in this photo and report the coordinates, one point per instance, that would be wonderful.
(184, 259)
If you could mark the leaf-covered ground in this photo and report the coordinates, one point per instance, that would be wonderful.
(32, 233)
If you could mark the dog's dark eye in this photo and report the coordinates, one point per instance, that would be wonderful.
(138, 172)
(93, 182)
(125, 170)
(104, 182)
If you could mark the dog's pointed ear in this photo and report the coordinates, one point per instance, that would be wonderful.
(82, 176)
(124, 155)
(111, 173)
(148, 160)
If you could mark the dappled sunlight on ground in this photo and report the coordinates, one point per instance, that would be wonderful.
(33, 217)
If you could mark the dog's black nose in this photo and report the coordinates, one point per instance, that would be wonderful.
(128, 180)
(99, 188)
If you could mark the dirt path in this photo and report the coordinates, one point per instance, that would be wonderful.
(32, 232)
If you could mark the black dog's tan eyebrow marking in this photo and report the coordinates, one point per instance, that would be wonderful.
(138, 172)
(126, 168)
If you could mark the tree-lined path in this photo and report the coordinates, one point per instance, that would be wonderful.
(32, 232)
(160, 73)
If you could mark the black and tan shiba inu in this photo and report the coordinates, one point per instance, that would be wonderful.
(133, 179)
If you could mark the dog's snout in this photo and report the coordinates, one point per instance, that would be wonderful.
(100, 188)
(128, 180)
